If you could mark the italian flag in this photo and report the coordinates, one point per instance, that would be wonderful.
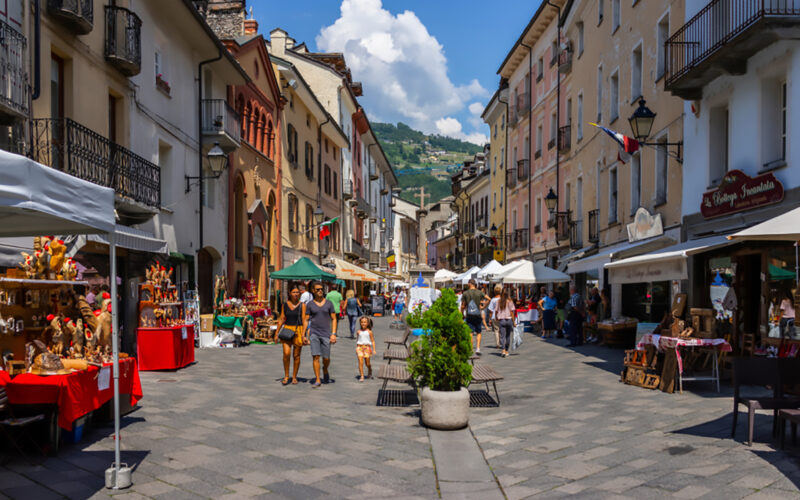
(325, 228)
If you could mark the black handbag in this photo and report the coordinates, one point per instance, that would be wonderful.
(286, 335)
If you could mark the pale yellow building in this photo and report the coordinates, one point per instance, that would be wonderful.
(495, 116)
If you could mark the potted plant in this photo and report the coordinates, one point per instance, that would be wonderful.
(439, 363)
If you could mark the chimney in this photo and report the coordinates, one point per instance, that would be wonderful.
(278, 41)
(250, 27)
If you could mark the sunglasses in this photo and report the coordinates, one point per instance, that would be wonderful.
(318, 289)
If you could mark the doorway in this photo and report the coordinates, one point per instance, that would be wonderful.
(748, 287)
(205, 284)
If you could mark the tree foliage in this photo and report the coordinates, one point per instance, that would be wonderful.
(440, 359)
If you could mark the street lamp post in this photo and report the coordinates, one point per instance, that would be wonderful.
(551, 201)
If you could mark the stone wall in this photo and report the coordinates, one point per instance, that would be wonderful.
(226, 23)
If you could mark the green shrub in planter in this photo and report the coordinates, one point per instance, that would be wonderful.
(440, 359)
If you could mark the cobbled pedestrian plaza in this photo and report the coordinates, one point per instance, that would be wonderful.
(226, 428)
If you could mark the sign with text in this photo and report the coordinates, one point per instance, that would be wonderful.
(738, 191)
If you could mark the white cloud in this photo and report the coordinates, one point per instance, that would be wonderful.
(476, 108)
(402, 66)
(451, 127)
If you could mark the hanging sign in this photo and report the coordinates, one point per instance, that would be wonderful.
(738, 192)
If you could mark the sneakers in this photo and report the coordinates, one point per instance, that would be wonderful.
(478, 352)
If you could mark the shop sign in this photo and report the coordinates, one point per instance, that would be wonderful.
(499, 255)
(738, 191)
(644, 226)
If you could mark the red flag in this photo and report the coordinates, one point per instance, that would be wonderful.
(324, 231)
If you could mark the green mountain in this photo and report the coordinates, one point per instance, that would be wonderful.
(422, 160)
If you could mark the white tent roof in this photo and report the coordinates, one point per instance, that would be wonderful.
(464, 278)
(505, 269)
(528, 273)
(35, 200)
(444, 275)
(488, 269)
(785, 227)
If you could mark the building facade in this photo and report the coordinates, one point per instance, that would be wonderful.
(495, 116)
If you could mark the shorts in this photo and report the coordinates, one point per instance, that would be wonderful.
(297, 340)
(398, 308)
(320, 346)
(364, 351)
(474, 323)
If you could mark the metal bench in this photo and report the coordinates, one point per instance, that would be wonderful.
(401, 375)
(483, 374)
(395, 352)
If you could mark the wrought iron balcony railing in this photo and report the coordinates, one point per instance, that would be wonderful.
(14, 84)
(68, 146)
(564, 138)
(521, 239)
(221, 123)
(123, 40)
(523, 169)
(511, 178)
(347, 189)
(565, 59)
(594, 225)
(562, 224)
(523, 104)
(576, 235)
(728, 31)
(76, 15)
(362, 208)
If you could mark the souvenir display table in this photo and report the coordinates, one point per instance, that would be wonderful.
(675, 344)
(76, 393)
(619, 332)
(165, 348)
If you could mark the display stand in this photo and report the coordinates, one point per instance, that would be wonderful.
(165, 348)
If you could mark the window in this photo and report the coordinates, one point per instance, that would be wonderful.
(291, 142)
(663, 35)
(580, 39)
(538, 215)
(309, 160)
(502, 157)
(538, 142)
(164, 165)
(294, 224)
(540, 69)
(612, 195)
(494, 201)
(495, 131)
(598, 192)
(636, 182)
(579, 127)
(636, 73)
(514, 158)
(614, 97)
(615, 14)
(718, 144)
(309, 222)
(553, 130)
(773, 122)
(661, 171)
(335, 185)
(327, 180)
(568, 197)
(599, 94)
(501, 196)
(600, 5)
(553, 52)
(579, 199)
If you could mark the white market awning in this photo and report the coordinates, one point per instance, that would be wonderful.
(528, 273)
(505, 269)
(597, 261)
(668, 263)
(488, 269)
(464, 278)
(444, 275)
(785, 227)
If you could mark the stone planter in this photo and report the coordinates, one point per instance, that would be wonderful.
(445, 410)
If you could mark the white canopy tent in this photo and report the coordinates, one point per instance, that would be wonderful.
(504, 269)
(38, 200)
(488, 269)
(528, 273)
(463, 278)
(785, 227)
(444, 275)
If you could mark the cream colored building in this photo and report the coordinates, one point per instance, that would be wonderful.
(495, 116)
(617, 58)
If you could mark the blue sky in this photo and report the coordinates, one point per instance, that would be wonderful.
(429, 63)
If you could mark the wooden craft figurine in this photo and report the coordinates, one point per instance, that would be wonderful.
(75, 333)
(54, 328)
(39, 360)
(69, 270)
(86, 313)
(57, 340)
(103, 330)
(57, 250)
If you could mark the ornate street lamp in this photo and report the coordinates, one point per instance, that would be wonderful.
(641, 122)
(217, 161)
(551, 201)
(319, 216)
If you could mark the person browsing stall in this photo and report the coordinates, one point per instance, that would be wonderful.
(321, 332)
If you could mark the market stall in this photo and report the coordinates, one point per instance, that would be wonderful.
(35, 200)
(530, 273)
(444, 276)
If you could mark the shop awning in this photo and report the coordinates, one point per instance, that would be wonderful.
(302, 270)
(347, 271)
(605, 255)
(661, 265)
(126, 237)
(785, 227)
(488, 269)
(564, 260)
(463, 278)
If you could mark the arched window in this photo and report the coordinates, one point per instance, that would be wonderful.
(248, 115)
(294, 216)
(270, 139)
(258, 236)
(239, 219)
(254, 138)
(309, 222)
(262, 134)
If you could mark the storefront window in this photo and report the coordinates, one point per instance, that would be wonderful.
(647, 302)
(782, 288)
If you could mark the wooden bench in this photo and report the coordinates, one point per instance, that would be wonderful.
(483, 374)
(791, 416)
(395, 352)
(394, 373)
(398, 339)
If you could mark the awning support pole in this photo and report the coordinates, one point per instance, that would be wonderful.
(112, 252)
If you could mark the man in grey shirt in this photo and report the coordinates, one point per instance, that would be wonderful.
(321, 331)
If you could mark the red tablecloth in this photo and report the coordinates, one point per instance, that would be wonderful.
(165, 348)
(77, 393)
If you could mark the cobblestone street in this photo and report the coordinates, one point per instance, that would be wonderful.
(226, 427)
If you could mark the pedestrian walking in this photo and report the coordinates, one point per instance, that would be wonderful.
(292, 318)
(493, 324)
(321, 332)
(504, 314)
(336, 299)
(365, 346)
(399, 303)
(593, 304)
(305, 295)
(548, 304)
(352, 308)
(575, 316)
(471, 308)
(561, 314)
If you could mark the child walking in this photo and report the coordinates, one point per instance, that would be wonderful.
(365, 346)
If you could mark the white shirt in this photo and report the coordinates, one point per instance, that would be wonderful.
(493, 304)
(306, 297)
(363, 338)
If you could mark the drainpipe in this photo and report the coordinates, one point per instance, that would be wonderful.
(200, 148)
(37, 44)
(530, 142)
(558, 115)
